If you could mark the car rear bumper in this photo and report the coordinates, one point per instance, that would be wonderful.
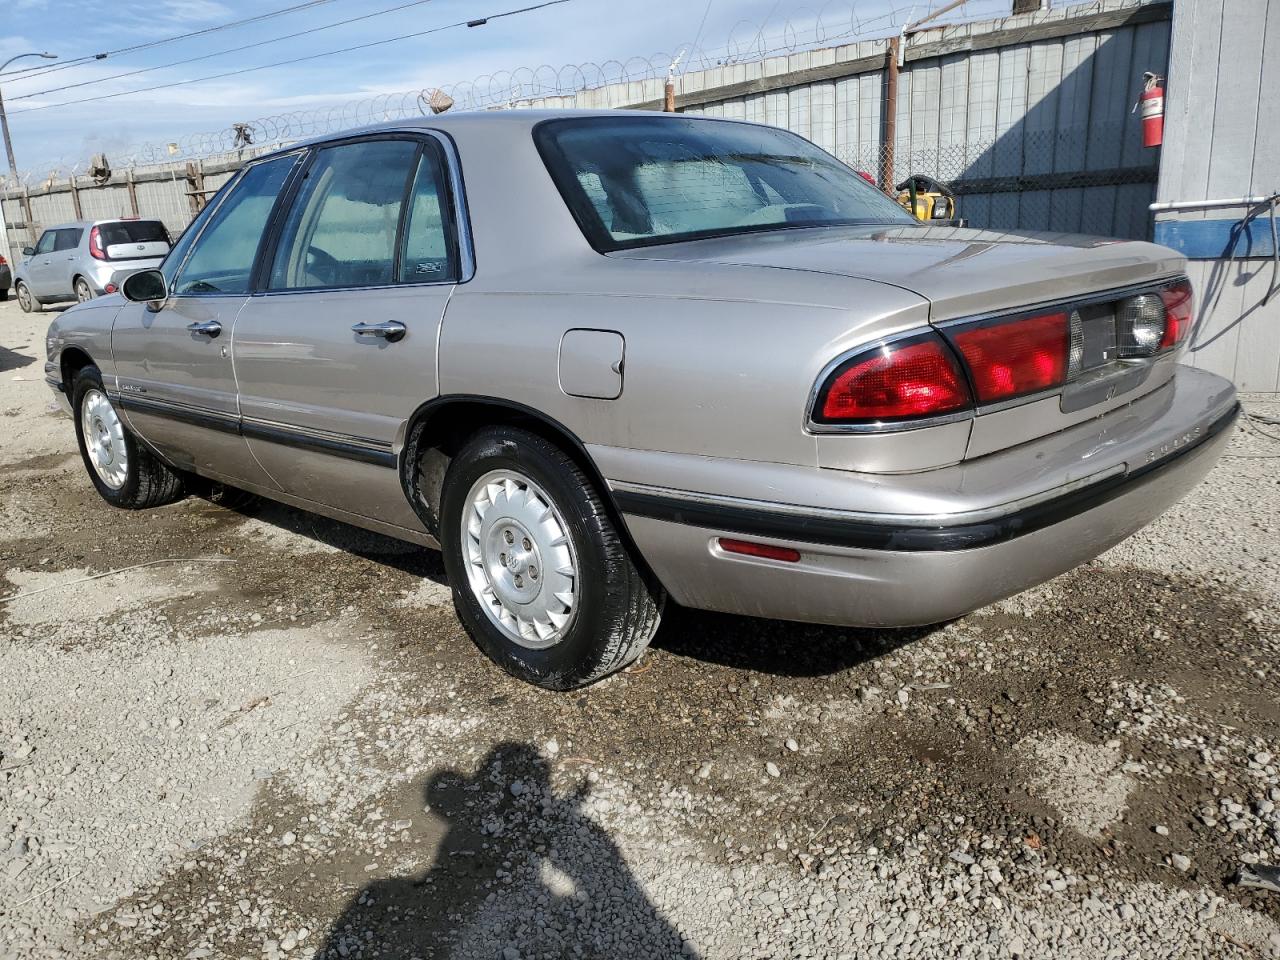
(879, 569)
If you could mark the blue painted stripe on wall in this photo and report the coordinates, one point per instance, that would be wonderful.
(1217, 239)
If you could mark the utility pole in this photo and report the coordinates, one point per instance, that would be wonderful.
(669, 91)
(4, 119)
(892, 62)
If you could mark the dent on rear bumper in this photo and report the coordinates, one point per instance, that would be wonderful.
(925, 579)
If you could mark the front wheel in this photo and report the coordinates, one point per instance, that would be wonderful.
(125, 473)
(541, 579)
(26, 301)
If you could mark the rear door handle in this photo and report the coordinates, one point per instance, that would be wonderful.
(389, 330)
(210, 328)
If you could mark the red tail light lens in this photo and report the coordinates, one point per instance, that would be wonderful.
(1016, 357)
(95, 245)
(3, 261)
(1178, 313)
(906, 380)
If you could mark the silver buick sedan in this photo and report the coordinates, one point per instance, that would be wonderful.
(600, 359)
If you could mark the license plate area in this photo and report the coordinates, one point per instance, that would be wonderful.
(1096, 370)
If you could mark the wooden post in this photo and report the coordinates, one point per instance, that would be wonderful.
(26, 212)
(195, 184)
(133, 191)
(669, 96)
(75, 197)
(890, 126)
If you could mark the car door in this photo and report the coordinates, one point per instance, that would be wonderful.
(173, 360)
(40, 265)
(63, 261)
(339, 348)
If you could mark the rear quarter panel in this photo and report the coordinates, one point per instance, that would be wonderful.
(719, 360)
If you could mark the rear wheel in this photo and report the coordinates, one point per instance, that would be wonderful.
(124, 472)
(26, 301)
(541, 579)
(83, 290)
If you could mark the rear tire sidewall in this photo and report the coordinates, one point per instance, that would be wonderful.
(574, 660)
(89, 378)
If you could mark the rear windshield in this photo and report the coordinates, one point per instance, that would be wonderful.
(132, 231)
(635, 181)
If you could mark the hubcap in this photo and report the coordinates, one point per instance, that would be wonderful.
(24, 297)
(104, 439)
(521, 564)
(82, 291)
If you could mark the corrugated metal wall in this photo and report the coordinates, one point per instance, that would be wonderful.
(1222, 140)
(1037, 134)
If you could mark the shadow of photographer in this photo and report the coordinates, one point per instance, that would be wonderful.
(520, 871)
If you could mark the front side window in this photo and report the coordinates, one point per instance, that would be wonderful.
(635, 181)
(47, 240)
(343, 227)
(222, 256)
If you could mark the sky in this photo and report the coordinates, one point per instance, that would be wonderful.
(575, 32)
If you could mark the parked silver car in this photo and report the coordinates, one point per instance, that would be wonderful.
(86, 259)
(600, 359)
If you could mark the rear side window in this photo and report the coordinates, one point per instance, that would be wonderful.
(68, 238)
(133, 231)
(222, 257)
(430, 247)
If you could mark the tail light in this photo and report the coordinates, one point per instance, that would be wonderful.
(968, 365)
(904, 380)
(1178, 313)
(1013, 358)
(3, 261)
(95, 244)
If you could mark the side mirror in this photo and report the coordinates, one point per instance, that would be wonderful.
(28, 251)
(145, 286)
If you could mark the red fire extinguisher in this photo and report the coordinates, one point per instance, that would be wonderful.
(1152, 104)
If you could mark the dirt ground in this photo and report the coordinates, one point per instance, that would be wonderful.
(276, 740)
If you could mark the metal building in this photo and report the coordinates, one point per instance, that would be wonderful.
(1220, 172)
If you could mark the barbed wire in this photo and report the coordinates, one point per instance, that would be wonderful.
(836, 22)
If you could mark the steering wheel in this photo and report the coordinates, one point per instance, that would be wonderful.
(323, 264)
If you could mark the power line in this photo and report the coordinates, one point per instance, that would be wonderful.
(28, 72)
(222, 53)
(284, 63)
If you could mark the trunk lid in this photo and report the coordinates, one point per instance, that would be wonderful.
(146, 250)
(961, 272)
(973, 273)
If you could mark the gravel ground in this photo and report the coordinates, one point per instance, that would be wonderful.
(284, 746)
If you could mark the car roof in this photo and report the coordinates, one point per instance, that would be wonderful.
(517, 121)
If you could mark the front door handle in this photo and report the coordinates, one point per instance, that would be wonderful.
(210, 328)
(389, 330)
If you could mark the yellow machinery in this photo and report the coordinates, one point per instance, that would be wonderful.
(927, 199)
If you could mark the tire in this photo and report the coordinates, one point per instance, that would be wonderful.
(528, 487)
(83, 290)
(124, 472)
(26, 301)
